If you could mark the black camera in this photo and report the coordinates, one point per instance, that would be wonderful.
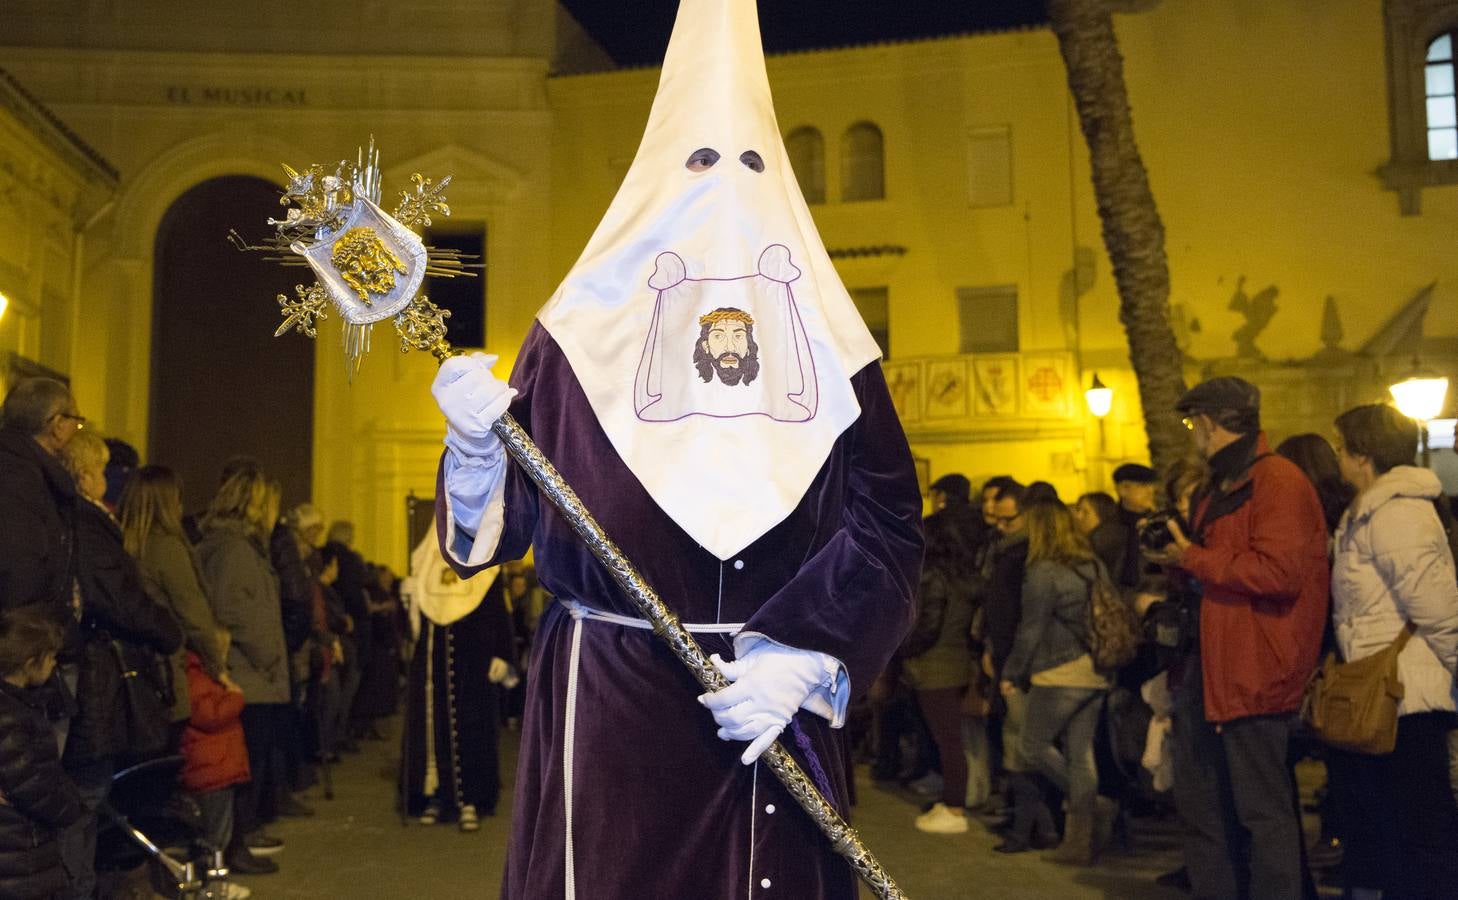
(1154, 533)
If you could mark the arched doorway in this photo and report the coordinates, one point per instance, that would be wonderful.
(221, 384)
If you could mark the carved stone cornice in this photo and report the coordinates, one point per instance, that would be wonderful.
(49, 128)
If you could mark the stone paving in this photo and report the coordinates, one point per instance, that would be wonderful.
(356, 848)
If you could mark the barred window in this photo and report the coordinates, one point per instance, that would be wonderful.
(806, 148)
(862, 163)
(1422, 37)
(1438, 87)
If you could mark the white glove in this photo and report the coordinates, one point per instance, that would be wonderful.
(771, 683)
(472, 399)
(498, 671)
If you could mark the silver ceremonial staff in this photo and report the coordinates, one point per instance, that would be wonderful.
(328, 205)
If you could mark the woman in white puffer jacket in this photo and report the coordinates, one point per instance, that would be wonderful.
(1392, 565)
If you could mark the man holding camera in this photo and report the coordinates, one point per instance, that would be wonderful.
(1257, 553)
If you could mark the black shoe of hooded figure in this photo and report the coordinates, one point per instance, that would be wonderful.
(242, 862)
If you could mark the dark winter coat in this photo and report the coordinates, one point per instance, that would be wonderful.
(114, 605)
(40, 800)
(937, 652)
(296, 586)
(243, 588)
(214, 755)
(170, 566)
(1003, 604)
(38, 538)
(1261, 560)
(351, 589)
(1110, 542)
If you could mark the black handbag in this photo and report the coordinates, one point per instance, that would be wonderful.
(144, 699)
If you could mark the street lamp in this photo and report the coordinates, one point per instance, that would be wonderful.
(1099, 397)
(1421, 396)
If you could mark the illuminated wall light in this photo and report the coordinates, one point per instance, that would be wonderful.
(1099, 397)
(1420, 396)
(4, 302)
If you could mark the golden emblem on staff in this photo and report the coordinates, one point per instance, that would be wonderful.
(365, 263)
(329, 206)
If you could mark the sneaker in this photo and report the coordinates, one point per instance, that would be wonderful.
(940, 820)
(430, 816)
(261, 843)
(242, 862)
(469, 820)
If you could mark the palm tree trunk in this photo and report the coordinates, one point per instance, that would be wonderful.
(1133, 233)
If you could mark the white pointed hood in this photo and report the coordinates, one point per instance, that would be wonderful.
(704, 319)
(436, 591)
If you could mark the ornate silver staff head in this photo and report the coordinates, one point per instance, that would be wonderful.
(369, 265)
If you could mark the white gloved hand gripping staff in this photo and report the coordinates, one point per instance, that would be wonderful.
(771, 682)
(472, 399)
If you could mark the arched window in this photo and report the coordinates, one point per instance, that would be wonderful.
(862, 163)
(1422, 68)
(1442, 116)
(807, 158)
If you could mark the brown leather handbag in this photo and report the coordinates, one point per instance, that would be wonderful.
(1353, 705)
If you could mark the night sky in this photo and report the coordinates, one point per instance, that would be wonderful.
(635, 32)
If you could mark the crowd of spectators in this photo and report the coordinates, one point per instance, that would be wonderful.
(1250, 566)
(275, 647)
(255, 644)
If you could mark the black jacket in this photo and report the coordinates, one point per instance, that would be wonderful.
(351, 589)
(37, 525)
(40, 799)
(1002, 606)
(114, 604)
(948, 573)
(296, 586)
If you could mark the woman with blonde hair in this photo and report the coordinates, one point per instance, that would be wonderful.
(1051, 661)
(150, 511)
(114, 606)
(244, 590)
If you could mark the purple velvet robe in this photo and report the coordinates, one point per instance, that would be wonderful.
(662, 808)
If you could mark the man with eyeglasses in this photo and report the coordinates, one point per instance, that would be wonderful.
(1257, 551)
(37, 541)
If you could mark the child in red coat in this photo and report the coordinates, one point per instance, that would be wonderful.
(215, 757)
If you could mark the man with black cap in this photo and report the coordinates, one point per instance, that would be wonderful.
(1257, 550)
(1134, 483)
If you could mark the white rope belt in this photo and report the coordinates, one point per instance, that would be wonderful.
(580, 614)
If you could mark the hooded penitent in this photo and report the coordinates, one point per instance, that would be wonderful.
(704, 319)
(434, 589)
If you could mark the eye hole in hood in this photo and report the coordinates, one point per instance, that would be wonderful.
(752, 161)
(702, 159)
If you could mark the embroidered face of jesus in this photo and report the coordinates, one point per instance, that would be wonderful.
(726, 347)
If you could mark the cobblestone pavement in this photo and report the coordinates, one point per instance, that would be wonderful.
(356, 847)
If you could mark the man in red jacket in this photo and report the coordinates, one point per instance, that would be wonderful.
(1257, 551)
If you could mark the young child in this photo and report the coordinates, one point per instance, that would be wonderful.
(214, 755)
(37, 799)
